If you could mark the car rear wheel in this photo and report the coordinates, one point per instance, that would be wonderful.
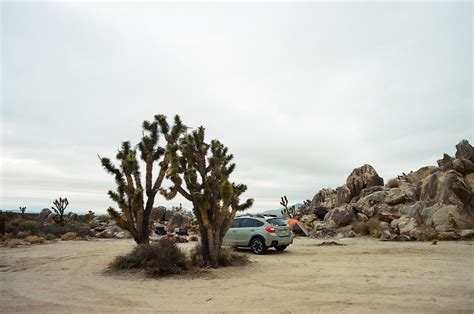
(258, 246)
(281, 247)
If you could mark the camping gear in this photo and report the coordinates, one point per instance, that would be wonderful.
(160, 230)
(182, 232)
(298, 228)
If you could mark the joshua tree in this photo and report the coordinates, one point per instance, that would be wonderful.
(129, 196)
(22, 210)
(200, 172)
(90, 215)
(59, 208)
(289, 211)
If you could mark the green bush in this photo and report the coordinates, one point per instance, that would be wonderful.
(57, 230)
(157, 259)
(28, 225)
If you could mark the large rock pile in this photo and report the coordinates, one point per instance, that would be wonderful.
(430, 202)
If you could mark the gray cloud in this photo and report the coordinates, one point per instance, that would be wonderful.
(301, 93)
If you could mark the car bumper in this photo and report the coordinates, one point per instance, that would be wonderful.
(276, 240)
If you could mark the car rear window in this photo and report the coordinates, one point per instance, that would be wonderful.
(277, 222)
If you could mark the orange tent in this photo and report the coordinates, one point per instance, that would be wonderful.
(298, 228)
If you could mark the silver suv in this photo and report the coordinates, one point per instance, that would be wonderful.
(259, 233)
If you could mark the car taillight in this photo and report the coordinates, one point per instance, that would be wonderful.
(270, 229)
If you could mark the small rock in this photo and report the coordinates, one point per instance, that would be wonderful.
(466, 234)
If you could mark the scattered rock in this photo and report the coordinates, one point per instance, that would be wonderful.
(395, 196)
(361, 178)
(330, 243)
(45, 212)
(325, 198)
(343, 195)
(366, 204)
(341, 216)
(466, 234)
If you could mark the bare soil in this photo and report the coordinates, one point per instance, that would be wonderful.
(363, 276)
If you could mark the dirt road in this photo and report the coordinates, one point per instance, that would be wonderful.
(364, 276)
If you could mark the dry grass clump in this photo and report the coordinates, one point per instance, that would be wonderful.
(13, 243)
(226, 257)
(158, 259)
(361, 227)
(374, 226)
(33, 239)
(393, 183)
(69, 236)
(370, 227)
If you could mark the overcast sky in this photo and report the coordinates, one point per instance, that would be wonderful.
(300, 93)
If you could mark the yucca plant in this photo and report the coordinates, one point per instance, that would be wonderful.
(134, 200)
(200, 172)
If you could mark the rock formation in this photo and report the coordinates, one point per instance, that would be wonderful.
(423, 204)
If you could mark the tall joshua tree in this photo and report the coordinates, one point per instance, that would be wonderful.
(59, 208)
(200, 173)
(130, 194)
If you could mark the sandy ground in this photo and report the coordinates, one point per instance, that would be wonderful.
(364, 276)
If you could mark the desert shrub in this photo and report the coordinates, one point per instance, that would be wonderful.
(393, 183)
(35, 239)
(158, 259)
(7, 237)
(13, 243)
(226, 257)
(229, 258)
(13, 230)
(361, 227)
(93, 224)
(15, 222)
(69, 236)
(50, 237)
(54, 229)
(81, 231)
(57, 230)
(22, 234)
(28, 225)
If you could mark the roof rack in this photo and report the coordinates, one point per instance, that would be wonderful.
(251, 215)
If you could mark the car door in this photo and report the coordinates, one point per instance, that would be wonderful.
(230, 237)
(248, 228)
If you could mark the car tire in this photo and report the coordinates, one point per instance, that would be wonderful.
(281, 247)
(258, 246)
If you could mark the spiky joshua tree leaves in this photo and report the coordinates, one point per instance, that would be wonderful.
(200, 172)
(130, 194)
(59, 208)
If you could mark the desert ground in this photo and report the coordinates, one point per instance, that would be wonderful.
(365, 275)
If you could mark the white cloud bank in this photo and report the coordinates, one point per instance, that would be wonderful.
(301, 93)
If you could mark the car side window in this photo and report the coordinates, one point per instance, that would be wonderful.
(250, 223)
(236, 223)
